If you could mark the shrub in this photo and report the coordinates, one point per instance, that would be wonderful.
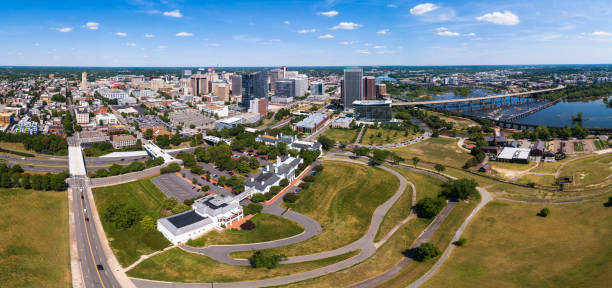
(148, 224)
(169, 203)
(459, 189)
(308, 178)
(290, 197)
(252, 208)
(426, 251)
(461, 242)
(121, 216)
(544, 212)
(171, 168)
(304, 185)
(258, 198)
(429, 207)
(318, 168)
(179, 208)
(284, 182)
(264, 259)
(248, 225)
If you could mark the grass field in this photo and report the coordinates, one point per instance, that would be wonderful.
(546, 180)
(180, 266)
(459, 123)
(344, 136)
(435, 150)
(590, 170)
(509, 246)
(342, 199)
(511, 166)
(129, 244)
(387, 136)
(267, 228)
(34, 249)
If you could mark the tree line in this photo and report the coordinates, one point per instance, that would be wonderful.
(44, 144)
(13, 177)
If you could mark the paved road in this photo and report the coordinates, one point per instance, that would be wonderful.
(133, 176)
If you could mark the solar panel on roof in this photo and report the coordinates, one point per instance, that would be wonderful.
(186, 219)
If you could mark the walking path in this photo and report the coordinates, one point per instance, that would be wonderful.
(358, 139)
(145, 257)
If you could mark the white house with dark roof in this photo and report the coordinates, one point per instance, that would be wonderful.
(291, 140)
(211, 212)
(272, 174)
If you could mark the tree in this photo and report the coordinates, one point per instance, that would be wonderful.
(459, 189)
(148, 224)
(148, 134)
(252, 208)
(361, 151)
(379, 156)
(426, 251)
(121, 216)
(415, 160)
(284, 182)
(290, 197)
(265, 259)
(396, 158)
(169, 203)
(461, 242)
(180, 208)
(544, 212)
(171, 168)
(326, 143)
(439, 168)
(429, 207)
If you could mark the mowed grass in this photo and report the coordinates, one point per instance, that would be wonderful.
(387, 136)
(511, 166)
(427, 186)
(546, 180)
(267, 228)
(177, 265)
(34, 245)
(590, 170)
(435, 150)
(509, 246)
(129, 244)
(342, 199)
(344, 136)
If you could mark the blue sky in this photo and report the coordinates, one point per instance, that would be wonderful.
(271, 33)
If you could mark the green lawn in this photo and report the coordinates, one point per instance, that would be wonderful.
(342, 199)
(267, 228)
(589, 170)
(385, 136)
(34, 249)
(129, 244)
(440, 150)
(511, 166)
(509, 246)
(344, 136)
(547, 180)
(179, 266)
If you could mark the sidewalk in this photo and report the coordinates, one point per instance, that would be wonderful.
(282, 192)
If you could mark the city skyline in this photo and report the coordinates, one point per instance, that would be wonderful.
(303, 33)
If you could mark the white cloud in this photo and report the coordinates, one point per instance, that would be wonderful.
(331, 13)
(130, 44)
(287, 22)
(380, 47)
(346, 26)
(383, 32)
(470, 34)
(602, 33)
(326, 36)
(121, 34)
(391, 5)
(149, 35)
(247, 38)
(443, 31)
(363, 51)
(174, 13)
(304, 31)
(347, 42)
(184, 34)
(506, 18)
(163, 47)
(92, 25)
(274, 40)
(423, 8)
(64, 29)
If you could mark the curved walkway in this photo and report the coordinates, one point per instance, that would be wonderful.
(365, 245)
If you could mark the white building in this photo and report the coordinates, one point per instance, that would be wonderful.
(221, 111)
(106, 119)
(211, 212)
(114, 93)
(273, 174)
(82, 115)
(157, 84)
(228, 122)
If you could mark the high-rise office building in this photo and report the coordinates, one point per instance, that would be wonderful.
(83, 80)
(353, 86)
(285, 88)
(236, 85)
(275, 74)
(381, 90)
(199, 84)
(316, 88)
(254, 85)
(301, 85)
(369, 88)
(186, 73)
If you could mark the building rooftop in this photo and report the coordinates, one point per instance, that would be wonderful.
(372, 102)
(312, 120)
(509, 153)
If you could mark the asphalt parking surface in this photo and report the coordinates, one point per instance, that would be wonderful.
(174, 186)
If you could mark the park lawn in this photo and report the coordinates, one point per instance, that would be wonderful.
(590, 170)
(427, 186)
(496, 187)
(459, 123)
(268, 227)
(387, 136)
(546, 180)
(441, 238)
(177, 265)
(439, 150)
(509, 246)
(34, 239)
(511, 166)
(129, 244)
(551, 167)
(15, 146)
(344, 136)
(342, 199)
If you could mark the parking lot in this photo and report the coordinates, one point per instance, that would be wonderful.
(174, 186)
(202, 182)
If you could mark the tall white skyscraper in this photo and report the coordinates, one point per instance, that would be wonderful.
(353, 86)
(83, 80)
